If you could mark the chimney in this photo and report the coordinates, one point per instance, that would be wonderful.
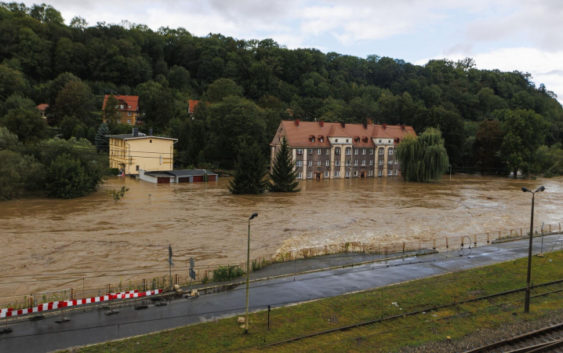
(402, 127)
(135, 132)
(343, 124)
(321, 123)
(370, 122)
(365, 124)
(384, 126)
(296, 122)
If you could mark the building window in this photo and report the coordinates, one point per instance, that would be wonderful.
(160, 159)
(310, 175)
(129, 113)
(137, 168)
(347, 174)
(300, 175)
(348, 151)
(337, 163)
(380, 162)
(299, 163)
(380, 151)
(337, 173)
(327, 152)
(363, 151)
(371, 162)
(319, 151)
(335, 140)
(326, 174)
(327, 163)
(319, 163)
(337, 150)
(356, 162)
(310, 163)
(356, 151)
(310, 151)
(129, 121)
(390, 151)
(348, 162)
(379, 173)
(299, 151)
(150, 141)
(364, 163)
(355, 173)
(390, 172)
(370, 173)
(371, 151)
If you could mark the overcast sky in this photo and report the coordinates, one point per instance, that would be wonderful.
(523, 35)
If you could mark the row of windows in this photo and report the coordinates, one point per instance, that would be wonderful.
(299, 151)
(347, 174)
(348, 163)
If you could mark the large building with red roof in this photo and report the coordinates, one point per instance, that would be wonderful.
(338, 150)
(127, 107)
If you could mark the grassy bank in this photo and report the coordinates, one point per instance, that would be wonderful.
(450, 323)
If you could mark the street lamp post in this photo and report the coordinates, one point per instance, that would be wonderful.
(254, 215)
(527, 298)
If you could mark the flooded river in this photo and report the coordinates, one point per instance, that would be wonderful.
(47, 244)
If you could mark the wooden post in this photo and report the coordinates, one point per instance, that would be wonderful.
(434, 244)
(520, 231)
(488, 238)
(403, 248)
(447, 246)
(550, 228)
(475, 240)
(109, 288)
(71, 294)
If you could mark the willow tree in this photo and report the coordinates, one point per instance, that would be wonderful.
(423, 158)
(284, 176)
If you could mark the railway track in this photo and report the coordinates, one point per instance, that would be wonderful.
(546, 339)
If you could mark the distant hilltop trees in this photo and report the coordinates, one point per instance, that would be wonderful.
(246, 87)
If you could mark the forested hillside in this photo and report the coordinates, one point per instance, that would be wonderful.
(491, 121)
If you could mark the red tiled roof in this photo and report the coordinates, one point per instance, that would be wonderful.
(192, 104)
(131, 103)
(42, 107)
(300, 133)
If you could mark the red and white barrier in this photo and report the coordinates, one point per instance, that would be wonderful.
(10, 312)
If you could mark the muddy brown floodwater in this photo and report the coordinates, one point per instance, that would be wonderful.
(47, 244)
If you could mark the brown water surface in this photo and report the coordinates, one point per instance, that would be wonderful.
(48, 244)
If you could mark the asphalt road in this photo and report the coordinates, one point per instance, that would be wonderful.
(94, 326)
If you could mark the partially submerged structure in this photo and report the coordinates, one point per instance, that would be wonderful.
(340, 150)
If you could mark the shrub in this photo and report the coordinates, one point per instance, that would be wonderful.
(227, 273)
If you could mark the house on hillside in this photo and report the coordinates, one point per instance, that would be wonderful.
(127, 109)
(43, 109)
(339, 150)
(192, 103)
(133, 152)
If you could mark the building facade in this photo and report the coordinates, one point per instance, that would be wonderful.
(133, 152)
(127, 109)
(337, 150)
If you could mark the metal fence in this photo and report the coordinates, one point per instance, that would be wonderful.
(204, 274)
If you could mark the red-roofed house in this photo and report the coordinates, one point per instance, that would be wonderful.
(192, 103)
(42, 109)
(128, 108)
(338, 150)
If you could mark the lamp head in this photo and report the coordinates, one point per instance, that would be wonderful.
(525, 189)
(540, 189)
(254, 215)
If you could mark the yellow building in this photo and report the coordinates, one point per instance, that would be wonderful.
(133, 152)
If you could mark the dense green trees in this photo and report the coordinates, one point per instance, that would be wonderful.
(247, 87)
(284, 176)
(423, 158)
(250, 171)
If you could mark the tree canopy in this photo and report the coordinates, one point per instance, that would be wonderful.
(423, 158)
(246, 87)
